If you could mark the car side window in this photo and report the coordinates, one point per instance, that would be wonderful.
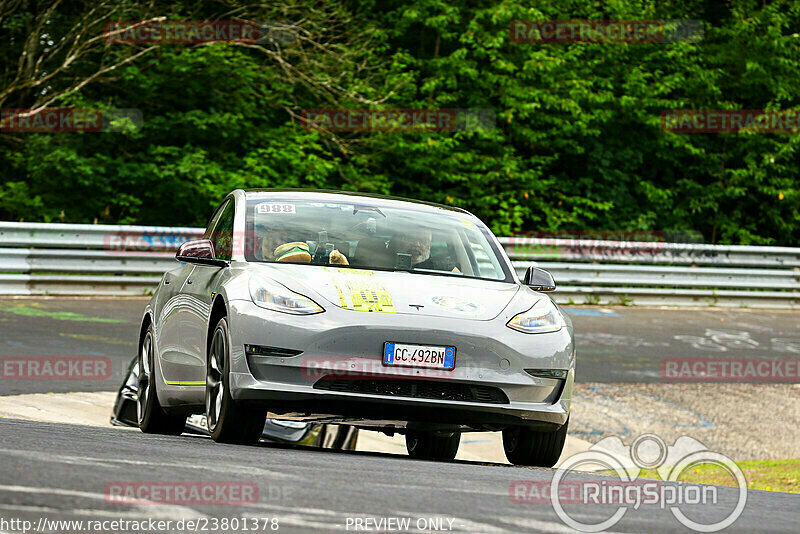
(212, 222)
(220, 232)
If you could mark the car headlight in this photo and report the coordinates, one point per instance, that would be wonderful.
(541, 318)
(273, 296)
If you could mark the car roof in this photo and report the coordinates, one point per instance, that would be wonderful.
(351, 196)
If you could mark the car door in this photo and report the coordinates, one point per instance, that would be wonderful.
(182, 363)
(199, 291)
(168, 331)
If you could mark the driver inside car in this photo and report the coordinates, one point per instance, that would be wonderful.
(417, 244)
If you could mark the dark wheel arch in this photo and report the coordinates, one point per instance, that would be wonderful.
(147, 320)
(219, 309)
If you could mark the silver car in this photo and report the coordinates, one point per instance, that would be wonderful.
(383, 313)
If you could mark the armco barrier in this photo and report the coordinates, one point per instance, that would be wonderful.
(76, 259)
(86, 259)
(659, 273)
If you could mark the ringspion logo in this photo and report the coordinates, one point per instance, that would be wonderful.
(624, 489)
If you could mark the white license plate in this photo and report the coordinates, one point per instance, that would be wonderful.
(427, 356)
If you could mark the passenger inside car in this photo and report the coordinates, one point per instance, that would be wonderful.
(270, 240)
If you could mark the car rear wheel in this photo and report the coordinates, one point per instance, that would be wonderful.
(228, 421)
(151, 417)
(431, 446)
(526, 446)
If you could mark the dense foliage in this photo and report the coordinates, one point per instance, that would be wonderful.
(577, 142)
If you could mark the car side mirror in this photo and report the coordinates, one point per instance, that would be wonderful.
(539, 279)
(199, 252)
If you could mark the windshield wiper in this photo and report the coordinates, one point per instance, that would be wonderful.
(434, 271)
(356, 209)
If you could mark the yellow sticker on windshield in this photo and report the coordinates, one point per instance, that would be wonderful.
(469, 224)
(359, 289)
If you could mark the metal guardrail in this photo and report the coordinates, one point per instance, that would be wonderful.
(95, 236)
(76, 259)
(659, 273)
(649, 252)
(86, 259)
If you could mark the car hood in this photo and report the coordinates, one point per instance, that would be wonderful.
(367, 290)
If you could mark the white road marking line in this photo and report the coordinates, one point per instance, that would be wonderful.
(92, 461)
(154, 509)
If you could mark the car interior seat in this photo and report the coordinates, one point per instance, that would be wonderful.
(373, 252)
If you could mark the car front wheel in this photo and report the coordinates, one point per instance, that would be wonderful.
(526, 446)
(431, 446)
(228, 421)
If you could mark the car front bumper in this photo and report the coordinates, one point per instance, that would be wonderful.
(347, 346)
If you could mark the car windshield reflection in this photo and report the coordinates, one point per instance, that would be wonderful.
(359, 235)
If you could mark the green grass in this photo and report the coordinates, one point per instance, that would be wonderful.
(59, 315)
(770, 475)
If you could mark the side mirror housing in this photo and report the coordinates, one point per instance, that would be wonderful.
(199, 252)
(539, 279)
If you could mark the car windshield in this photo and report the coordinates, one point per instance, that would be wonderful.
(364, 235)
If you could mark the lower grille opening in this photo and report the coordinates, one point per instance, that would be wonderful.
(261, 350)
(418, 389)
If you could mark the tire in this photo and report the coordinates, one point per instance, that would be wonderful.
(150, 416)
(228, 421)
(525, 446)
(425, 445)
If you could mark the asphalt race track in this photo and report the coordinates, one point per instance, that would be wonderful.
(614, 344)
(62, 471)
